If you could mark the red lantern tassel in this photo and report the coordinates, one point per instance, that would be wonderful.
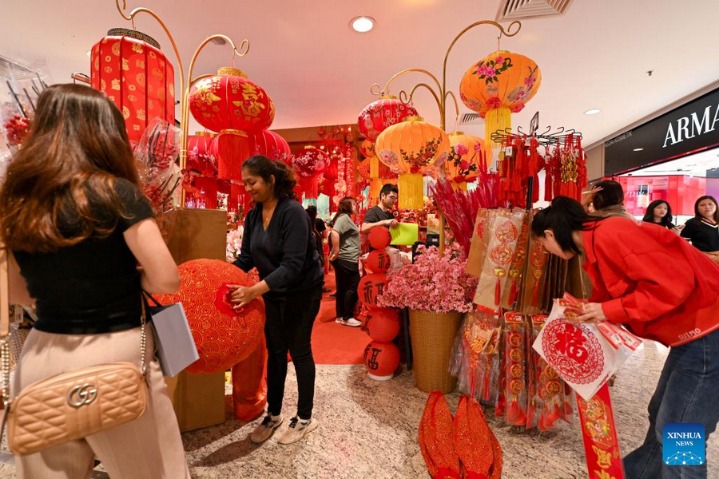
(516, 415)
(497, 292)
(531, 414)
(513, 291)
(535, 292)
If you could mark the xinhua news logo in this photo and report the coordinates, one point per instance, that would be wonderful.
(684, 444)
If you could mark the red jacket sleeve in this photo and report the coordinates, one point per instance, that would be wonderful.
(646, 279)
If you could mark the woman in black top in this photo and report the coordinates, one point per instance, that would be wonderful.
(278, 240)
(659, 212)
(77, 225)
(703, 229)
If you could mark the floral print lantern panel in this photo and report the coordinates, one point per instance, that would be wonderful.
(270, 144)
(199, 157)
(130, 69)
(500, 84)
(467, 157)
(309, 164)
(412, 149)
(383, 113)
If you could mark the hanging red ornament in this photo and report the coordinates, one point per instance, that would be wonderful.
(382, 113)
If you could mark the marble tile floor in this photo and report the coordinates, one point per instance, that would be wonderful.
(368, 429)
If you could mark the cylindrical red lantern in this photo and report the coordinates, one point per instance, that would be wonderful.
(381, 360)
(231, 148)
(308, 164)
(380, 114)
(271, 145)
(371, 286)
(199, 156)
(229, 100)
(130, 69)
(383, 324)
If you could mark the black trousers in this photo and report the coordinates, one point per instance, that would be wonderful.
(288, 328)
(347, 278)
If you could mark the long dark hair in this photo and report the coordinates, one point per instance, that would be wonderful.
(343, 208)
(564, 216)
(285, 181)
(66, 169)
(649, 216)
(611, 194)
(698, 215)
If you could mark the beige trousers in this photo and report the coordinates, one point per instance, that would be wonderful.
(148, 447)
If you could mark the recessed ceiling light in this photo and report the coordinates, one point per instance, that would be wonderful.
(638, 149)
(362, 24)
(593, 111)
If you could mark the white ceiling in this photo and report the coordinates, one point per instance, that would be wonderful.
(319, 72)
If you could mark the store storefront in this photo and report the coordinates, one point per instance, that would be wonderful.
(674, 157)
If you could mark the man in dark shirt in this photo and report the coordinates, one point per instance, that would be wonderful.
(381, 215)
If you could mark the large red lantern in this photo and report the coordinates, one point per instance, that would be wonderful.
(383, 324)
(199, 156)
(223, 336)
(378, 115)
(130, 69)
(379, 237)
(369, 287)
(308, 164)
(381, 360)
(270, 144)
(229, 101)
(378, 260)
(497, 86)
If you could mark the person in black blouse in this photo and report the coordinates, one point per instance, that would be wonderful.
(279, 241)
(703, 229)
(659, 212)
(77, 224)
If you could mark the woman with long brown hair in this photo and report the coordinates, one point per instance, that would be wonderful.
(76, 225)
(345, 237)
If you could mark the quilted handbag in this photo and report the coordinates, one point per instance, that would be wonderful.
(70, 405)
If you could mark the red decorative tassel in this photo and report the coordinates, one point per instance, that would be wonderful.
(497, 292)
(535, 293)
(516, 415)
(513, 291)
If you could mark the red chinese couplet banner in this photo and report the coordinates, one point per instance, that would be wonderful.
(601, 445)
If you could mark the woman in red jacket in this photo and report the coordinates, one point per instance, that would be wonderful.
(648, 279)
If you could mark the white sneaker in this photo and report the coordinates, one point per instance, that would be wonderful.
(297, 430)
(352, 322)
(266, 429)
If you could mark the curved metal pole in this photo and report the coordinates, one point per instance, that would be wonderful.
(438, 97)
(404, 98)
(449, 94)
(508, 32)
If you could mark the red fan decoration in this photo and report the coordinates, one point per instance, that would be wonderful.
(223, 336)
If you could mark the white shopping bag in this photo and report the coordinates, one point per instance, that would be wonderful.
(173, 338)
(584, 355)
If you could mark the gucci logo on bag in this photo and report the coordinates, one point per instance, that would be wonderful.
(81, 395)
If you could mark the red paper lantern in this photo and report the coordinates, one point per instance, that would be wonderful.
(367, 148)
(377, 261)
(383, 324)
(380, 114)
(271, 145)
(229, 101)
(130, 69)
(379, 237)
(381, 360)
(308, 164)
(231, 148)
(199, 156)
(223, 336)
(371, 286)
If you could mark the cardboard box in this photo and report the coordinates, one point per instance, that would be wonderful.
(198, 399)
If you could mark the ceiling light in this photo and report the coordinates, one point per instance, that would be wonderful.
(593, 111)
(362, 24)
(638, 149)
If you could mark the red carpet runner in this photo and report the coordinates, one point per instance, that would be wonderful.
(333, 343)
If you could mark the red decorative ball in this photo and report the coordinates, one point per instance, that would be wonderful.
(379, 237)
(383, 324)
(381, 359)
(223, 336)
(378, 261)
(371, 286)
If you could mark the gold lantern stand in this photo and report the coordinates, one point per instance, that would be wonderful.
(438, 89)
(198, 399)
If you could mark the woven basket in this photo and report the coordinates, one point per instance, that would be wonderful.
(432, 337)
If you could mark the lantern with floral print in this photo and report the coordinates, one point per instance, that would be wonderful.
(270, 144)
(500, 84)
(129, 67)
(308, 164)
(467, 157)
(383, 113)
(412, 149)
(199, 156)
